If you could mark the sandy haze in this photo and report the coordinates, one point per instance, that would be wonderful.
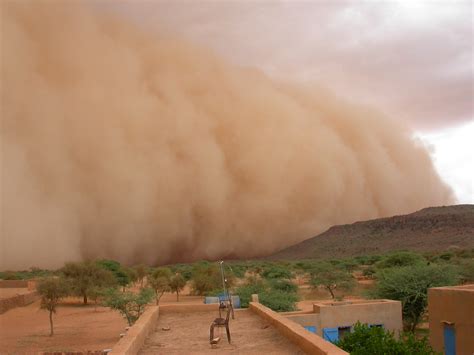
(122, 145)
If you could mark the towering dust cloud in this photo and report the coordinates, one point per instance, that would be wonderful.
(122, 145)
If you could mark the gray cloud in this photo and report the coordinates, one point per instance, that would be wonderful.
(412, 59)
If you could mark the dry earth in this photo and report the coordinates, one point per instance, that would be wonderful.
(25, 330)
(189, 334)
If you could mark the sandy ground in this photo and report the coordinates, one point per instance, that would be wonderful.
(25, 330)
(189, 334)
(10, 292)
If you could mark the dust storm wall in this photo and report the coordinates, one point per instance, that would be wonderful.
(120, 144)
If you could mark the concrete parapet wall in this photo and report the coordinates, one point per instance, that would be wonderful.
(18, 301)
(305, 340)
(180, 308)
(135, 338)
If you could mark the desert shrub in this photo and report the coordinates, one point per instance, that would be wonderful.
(400, 259)
(278, 301)
(276, 272)
(277, 294)
(466, 270)
(9, 275)
(238, 270)
(369, 272)
(283, 285)
(331, 278)
(130, 305)
(410, 285)
(33, 272)
(245, 292)
(347, 264)
(367, 259)
(374, 341)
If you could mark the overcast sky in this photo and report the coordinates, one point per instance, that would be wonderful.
(412, 59)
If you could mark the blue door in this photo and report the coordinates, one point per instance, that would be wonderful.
(311, 328)
(449, 340)
(331, 334)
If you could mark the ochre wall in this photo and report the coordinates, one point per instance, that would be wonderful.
(387, 313)
(13, 284)
(307, 341)
(18, 301)
(454, 305)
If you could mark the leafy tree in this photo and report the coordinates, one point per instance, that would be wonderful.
(85, 276)
(141, 271)
(207, 279)
(185, 270)
(120, 273)
(159, 282)
(52, 290)
(331, 278)
(177, 284)
(374, 341)
(130, 305)
(277, 272)
(410, 286)
(399, 259)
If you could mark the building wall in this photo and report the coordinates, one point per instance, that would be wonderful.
(454, 305)
(310, 319)
(387, 313)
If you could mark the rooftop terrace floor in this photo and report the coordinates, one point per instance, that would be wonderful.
(189, 334)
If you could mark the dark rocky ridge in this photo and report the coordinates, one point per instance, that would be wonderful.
(430, 229)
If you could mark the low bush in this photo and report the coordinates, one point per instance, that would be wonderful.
(375, 341)
(278, 301)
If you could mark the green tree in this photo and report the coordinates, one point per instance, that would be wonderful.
(141, 271)
(374, 341)
(410, 285)
(130, 305)
(400, 259)
(331, 278)
(86, 276)
(177, 284)
(276, 272)
(466, 270)
(207, 278)
(120, 273)
(52, 290)
(159, 281)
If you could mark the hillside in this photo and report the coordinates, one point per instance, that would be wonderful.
(430, 229)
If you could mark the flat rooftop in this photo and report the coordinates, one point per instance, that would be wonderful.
(189, 334)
